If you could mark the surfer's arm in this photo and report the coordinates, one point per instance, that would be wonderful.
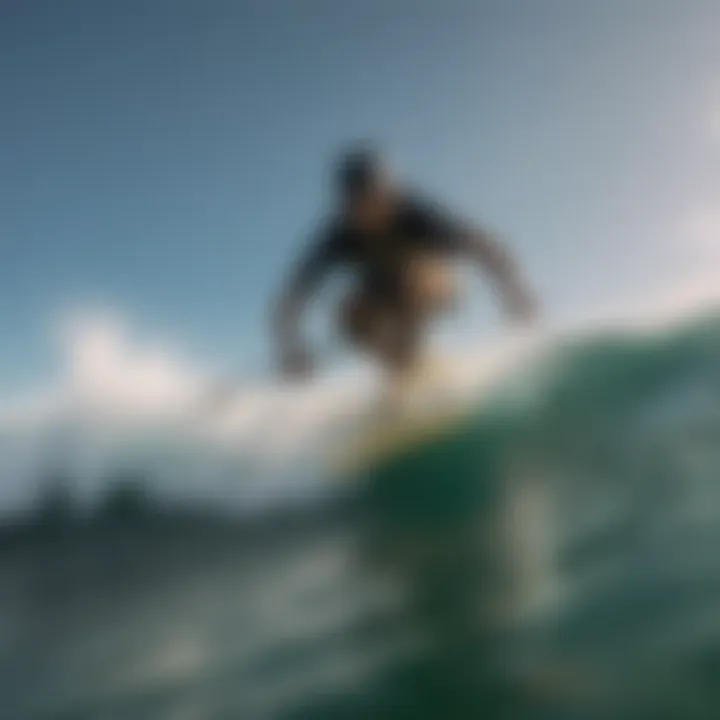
(296, 294)
(481, 247)
(496, 261)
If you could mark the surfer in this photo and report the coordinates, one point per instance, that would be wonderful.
(399, 247)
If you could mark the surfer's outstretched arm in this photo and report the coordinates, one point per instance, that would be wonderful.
(299, 289)
(495, 259)
(470, 241)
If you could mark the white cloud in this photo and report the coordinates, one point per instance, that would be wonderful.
(107, 367)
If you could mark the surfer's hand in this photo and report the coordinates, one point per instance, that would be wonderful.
(296, 364)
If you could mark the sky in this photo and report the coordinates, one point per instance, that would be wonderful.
(162, 162)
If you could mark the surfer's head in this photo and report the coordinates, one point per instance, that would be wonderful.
(362, 182)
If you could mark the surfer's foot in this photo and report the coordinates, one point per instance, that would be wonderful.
(416, 382)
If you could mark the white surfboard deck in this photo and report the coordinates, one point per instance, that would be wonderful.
(424, 411)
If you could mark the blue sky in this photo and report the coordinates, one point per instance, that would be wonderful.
(165, 159)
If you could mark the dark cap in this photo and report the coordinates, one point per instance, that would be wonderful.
(358, 170)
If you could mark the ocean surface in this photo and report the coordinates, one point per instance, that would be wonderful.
(553, 557)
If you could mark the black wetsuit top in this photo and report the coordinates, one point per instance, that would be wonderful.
(378, 258)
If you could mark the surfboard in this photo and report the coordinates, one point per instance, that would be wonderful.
(422, 414)
(390, 437)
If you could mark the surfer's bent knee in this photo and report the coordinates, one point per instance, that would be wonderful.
(374, 325)
(430, 286)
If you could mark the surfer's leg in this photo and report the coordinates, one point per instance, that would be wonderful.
(392, 327)
(393, 330)
(381, 329)
(428, 291)
(390, 335)
(429, 287)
